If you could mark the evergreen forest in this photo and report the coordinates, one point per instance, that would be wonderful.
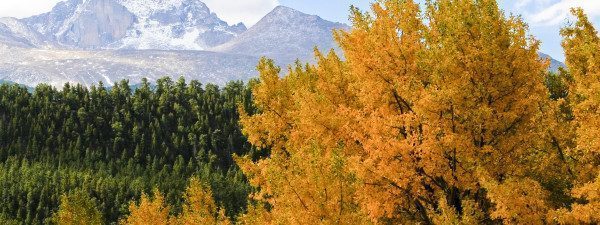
(116, 143)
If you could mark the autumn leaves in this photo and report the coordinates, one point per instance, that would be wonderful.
(439, 116)
(198, 208)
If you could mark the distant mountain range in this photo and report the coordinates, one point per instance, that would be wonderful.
(87, 41)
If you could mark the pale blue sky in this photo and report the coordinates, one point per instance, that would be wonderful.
(545, 17)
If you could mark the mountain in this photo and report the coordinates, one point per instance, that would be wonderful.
(110, 40)
(134, 24)
(86, 24)
(17, 33)
(554, 64)
(285, 35)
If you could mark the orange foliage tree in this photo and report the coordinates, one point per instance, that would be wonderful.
(582, 44)
(306, 178)
(434, 116)
(149, 211)
(199, 208)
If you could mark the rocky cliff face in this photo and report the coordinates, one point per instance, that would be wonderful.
(87, 24)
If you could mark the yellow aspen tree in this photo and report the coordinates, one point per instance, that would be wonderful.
(434, 117)
(148, 211)
(305, 179)
(199, 207)
(383, 52)
(466, 105)
(581, 45)
(78, 208)
(256, 214)
(481, 110)
(387, 53)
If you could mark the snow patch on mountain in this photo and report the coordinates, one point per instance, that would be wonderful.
(145, 8)
(155, 36)
(175, 25)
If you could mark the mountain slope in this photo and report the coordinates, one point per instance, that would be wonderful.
(56, 67)
(285, 35)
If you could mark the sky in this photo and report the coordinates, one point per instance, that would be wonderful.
(545, 17)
